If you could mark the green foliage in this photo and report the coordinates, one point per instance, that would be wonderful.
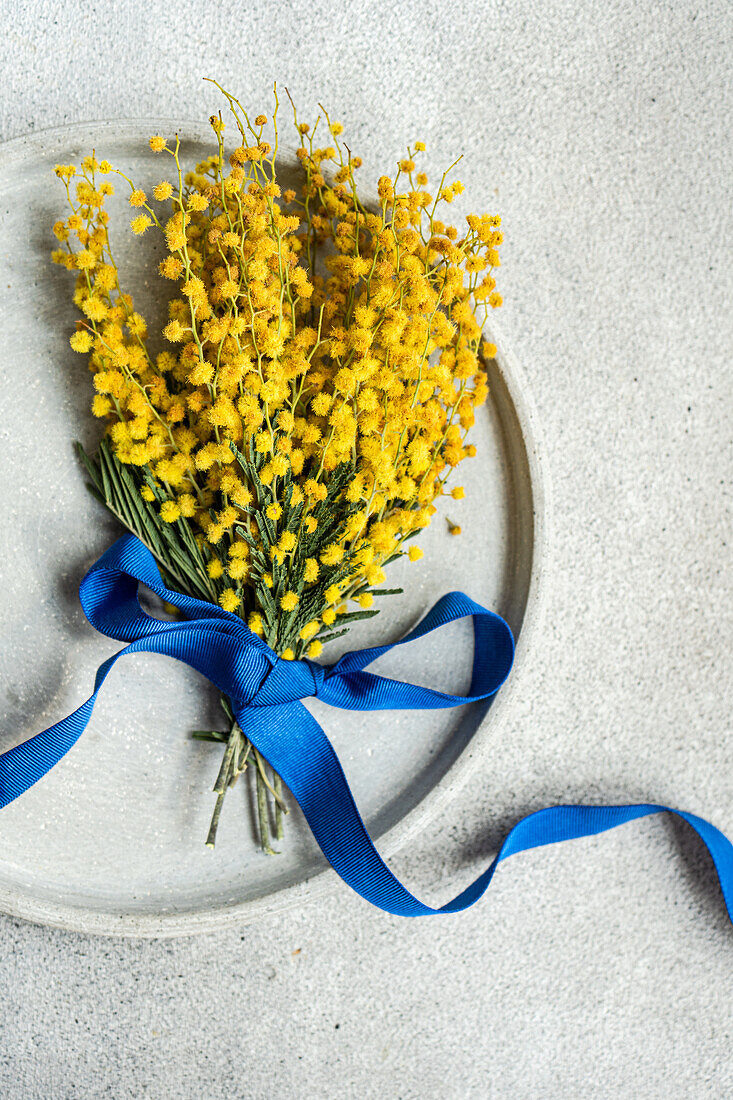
(183, 559)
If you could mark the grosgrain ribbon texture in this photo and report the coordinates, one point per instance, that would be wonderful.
(267, 693)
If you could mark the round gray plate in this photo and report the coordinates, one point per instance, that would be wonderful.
(111, 841)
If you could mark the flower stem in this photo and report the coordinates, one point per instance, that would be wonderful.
(269, 792)
(280, 807)
(262, 816)
(231, 768)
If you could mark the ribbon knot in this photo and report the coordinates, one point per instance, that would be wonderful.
(288, 682)
(267, 693)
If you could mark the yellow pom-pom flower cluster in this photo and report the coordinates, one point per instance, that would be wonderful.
(323, 361)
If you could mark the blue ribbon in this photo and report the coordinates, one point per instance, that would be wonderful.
(267, 693)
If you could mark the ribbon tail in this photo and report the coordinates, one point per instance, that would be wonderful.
(293, 742)
(22, 766)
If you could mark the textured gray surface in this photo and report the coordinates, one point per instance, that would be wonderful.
(601, 968)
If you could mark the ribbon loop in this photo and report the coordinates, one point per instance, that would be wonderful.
(267, 693)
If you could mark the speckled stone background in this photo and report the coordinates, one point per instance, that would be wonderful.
(601, 131)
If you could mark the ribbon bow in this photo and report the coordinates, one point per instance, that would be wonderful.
(267, 693)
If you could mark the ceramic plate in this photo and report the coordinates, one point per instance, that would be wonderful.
(112, 840)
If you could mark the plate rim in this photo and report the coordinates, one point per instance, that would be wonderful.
(176, 923)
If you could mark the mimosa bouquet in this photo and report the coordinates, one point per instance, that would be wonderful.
(323, 360)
